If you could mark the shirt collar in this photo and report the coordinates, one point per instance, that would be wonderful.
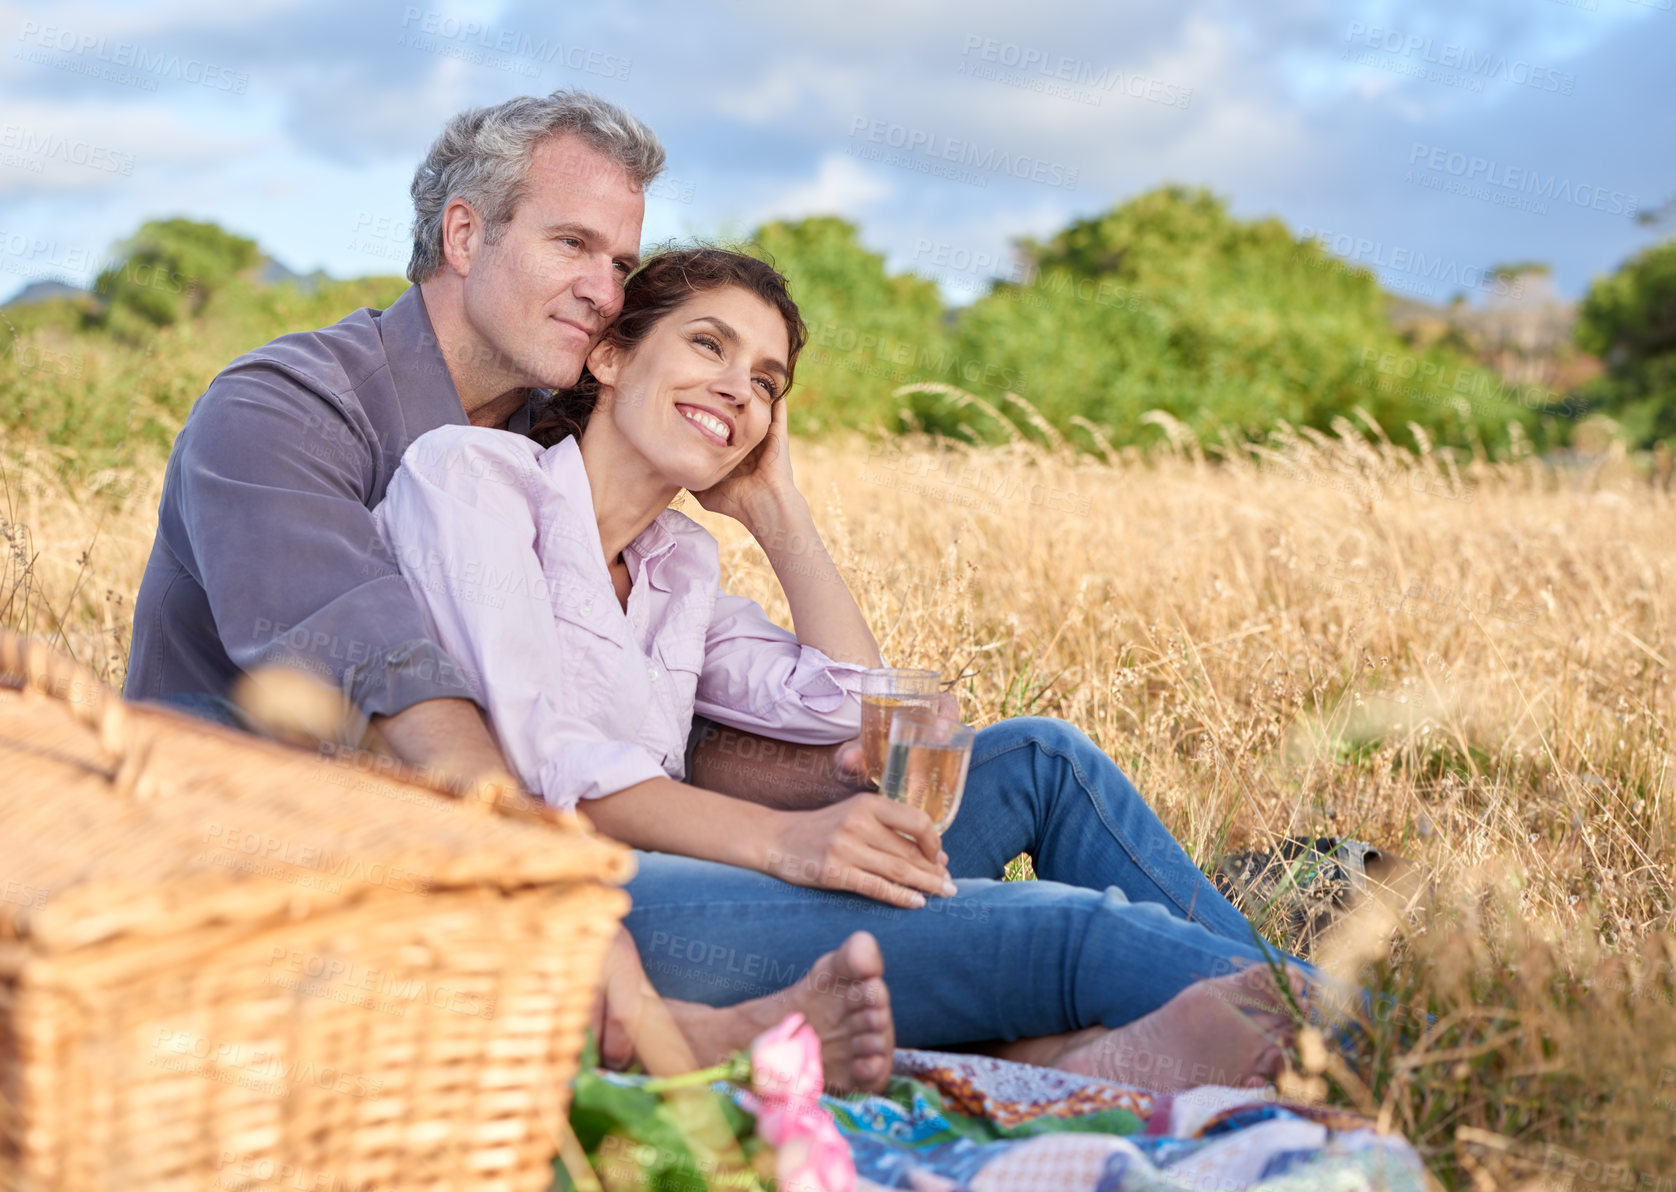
(655, 548)
(652, 549)
(422, 381)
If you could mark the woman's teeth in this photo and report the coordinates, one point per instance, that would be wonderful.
(709, 422)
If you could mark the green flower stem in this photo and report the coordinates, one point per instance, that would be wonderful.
(736, 1070)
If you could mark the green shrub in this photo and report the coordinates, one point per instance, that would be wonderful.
(1629, 320)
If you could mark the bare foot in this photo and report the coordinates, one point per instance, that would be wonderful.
(843, 997)
(1229, 1031)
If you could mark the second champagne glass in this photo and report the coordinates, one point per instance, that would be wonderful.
(927, 763)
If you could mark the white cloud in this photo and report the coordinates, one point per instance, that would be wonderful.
(133, 21)
(841, 186)
(103, 146)
(757, 100)
(793, 86)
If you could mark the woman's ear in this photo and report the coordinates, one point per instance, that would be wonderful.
(604, 362)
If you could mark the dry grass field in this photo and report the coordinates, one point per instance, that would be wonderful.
(1466, 665)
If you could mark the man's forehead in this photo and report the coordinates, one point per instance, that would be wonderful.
(571, 184)
(568, 163)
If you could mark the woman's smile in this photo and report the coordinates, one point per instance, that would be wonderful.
(716, 427)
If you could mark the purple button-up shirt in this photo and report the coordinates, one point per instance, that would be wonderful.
(501, 544)
(266, 550)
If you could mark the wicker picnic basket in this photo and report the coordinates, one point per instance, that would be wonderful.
(227, 963)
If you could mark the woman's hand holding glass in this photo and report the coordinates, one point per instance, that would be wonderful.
(865, 845)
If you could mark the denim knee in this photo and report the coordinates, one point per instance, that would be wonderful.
(1217, 956)
(1053, 736)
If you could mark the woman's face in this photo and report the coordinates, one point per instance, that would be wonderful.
(695, 396)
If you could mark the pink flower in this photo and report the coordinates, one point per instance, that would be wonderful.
(809, 1153)
(786, 1063)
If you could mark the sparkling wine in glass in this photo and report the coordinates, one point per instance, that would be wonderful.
(883, 691)
(927, 762)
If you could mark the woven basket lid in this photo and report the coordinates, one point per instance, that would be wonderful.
(124, 819)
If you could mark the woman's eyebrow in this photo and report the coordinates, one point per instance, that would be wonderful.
(731, 338)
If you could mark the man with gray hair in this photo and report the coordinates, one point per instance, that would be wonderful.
(527, 222)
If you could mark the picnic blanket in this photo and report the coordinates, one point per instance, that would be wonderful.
(962, 1123)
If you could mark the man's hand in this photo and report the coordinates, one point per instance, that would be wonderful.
(862, 846)
(849, 762)
(849, 766)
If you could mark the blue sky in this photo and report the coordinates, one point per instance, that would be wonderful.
(1425, 139)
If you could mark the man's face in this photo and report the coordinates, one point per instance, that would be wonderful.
(540, 297)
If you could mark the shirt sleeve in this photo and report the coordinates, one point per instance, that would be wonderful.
(273, 481)
(758, 677)
(461, 518)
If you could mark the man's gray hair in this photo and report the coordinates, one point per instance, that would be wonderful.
(483, 156)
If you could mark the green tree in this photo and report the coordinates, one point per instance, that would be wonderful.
(168, 269)
(1629, 320)
(1169, 302)
(869, 331)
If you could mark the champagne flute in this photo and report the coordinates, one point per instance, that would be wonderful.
(883, 691)
(927, 763)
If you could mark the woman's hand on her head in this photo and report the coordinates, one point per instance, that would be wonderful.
(859, 846)
(761, 484)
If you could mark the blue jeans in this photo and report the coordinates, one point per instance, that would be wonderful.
(1120, 922)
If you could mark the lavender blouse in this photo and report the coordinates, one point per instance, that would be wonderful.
(497, 537)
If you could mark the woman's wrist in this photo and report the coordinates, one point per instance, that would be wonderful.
(784, 527)
(760, 847)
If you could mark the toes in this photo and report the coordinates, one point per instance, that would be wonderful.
(872, 1022)
(870, 1074)
(1255, 993)
(616, 1046)
(873, 1065)
(1258, 991)
(1277, 1027)
(870, 1046)
(1266, 1070)
(860, 954)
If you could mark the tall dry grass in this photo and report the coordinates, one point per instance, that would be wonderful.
(74, 550)
(1464, 662)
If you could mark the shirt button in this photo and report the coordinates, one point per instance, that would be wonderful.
(651, 672)
(587, 607)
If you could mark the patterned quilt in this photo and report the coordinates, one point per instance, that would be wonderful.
(962, 1123)
(951, 1123)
